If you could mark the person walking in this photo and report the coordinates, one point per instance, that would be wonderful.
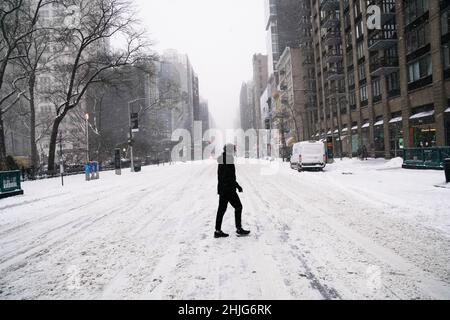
(365, 153)
(226, 188)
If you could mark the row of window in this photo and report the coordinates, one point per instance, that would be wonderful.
(445, 22)
(418, 37)
(414, 9)
(421, 68)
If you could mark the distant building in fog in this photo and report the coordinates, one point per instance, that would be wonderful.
(260, 77)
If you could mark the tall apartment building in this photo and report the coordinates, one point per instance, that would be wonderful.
(282, 28)
(260, 78)
(183, 115)
(204, 115)
(292, 115)
(247, 105)
(308, 68)
(383, 88)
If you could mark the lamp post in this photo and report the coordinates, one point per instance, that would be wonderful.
(87, 137)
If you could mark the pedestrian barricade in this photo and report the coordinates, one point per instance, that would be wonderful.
(425, 158)
(10, 184)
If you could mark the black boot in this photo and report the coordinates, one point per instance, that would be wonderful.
(220, 234)
(242, 233)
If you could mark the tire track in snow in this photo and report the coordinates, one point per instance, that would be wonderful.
(324, 291)
(432, 287)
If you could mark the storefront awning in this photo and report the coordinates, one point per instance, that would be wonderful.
(355, 128)
(336, 131)
(329, 132)
(395, 120)
(447, 110)
(422, 114)
(345, 130)
(366, 125)
(379, 123)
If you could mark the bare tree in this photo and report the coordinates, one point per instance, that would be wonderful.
(88, 54)
(162, 98)
(18, 20)
(36, 55)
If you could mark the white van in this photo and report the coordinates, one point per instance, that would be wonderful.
(308, 155)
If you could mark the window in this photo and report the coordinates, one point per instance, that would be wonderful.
(393, 82)
(446, 55)
(362, 72)
(445, 23)
(349, 57)
(419, 69)
(348, 38)
(352, 98)
(414, 9)
(357, 8)
(351, 78)
(418, 37)
(363, 93)
(376, 88)
(360, 49)
(360, 29)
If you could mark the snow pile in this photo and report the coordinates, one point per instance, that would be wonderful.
(395, 163)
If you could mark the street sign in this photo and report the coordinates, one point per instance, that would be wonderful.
(135, 122)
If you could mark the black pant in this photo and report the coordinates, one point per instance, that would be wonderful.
(233, 199)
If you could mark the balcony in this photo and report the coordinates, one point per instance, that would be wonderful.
(331, 20)
(334, 74)
(333, 56)
(329, 5)
(332, 38)
(383, 66)
(382, 39)
(387, 9)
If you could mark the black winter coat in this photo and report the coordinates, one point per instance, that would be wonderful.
(226, 174)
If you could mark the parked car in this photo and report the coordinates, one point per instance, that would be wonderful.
(308, 155)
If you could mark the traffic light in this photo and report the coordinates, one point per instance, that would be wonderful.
(134, 122)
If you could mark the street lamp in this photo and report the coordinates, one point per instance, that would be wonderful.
(87, 136)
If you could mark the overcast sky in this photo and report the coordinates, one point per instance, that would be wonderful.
(220, 37)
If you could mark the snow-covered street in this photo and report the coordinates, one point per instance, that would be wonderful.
(360, 230)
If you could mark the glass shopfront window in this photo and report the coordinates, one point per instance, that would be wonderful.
(379, 140)
(396, 138)
(366, 139)
(423, 132)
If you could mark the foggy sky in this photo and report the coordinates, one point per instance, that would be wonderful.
(220, 37)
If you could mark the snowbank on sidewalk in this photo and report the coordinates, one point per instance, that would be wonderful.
(356, 165)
